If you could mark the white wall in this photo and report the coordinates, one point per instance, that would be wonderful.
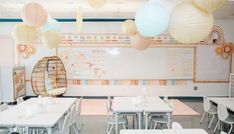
(211, 89)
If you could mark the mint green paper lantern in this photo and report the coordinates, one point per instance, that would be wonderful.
(152, 19)
(51, 24)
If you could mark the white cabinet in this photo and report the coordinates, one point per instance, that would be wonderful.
(12, 83)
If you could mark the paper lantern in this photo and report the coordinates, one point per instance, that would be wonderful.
(168, 4)
(51, 39)
(188, 24)
(129, 27)
(211, 5)
(51, 24)
(24, 34)
(151, 19)
(79, 19)
(97, 3)
(33, 14)
(139, 42)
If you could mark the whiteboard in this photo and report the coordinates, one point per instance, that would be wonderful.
(210, 66)
(128, 63)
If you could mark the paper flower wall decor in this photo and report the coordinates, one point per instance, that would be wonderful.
(152, 19)
(97, 3)
(129, 27)
(26, 50)
(23, 34)
(211, 5)
(224, 50)
(219, 50)
(51, 39)
(139, 42)
(188, 24)
(51, 24)
(33, 14)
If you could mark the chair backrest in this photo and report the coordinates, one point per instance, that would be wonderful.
(73, 113)
(177, 128)
(223, 132)
(79, 105)
(206, 104)
(19, 100)
(3, 107)
(66, 122)
(222, 112)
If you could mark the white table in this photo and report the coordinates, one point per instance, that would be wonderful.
(228, 102)
(15, 116)
(151, 105)
(165, 131)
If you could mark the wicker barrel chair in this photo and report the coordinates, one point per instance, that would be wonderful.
(49, 77)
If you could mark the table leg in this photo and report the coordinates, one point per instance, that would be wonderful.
(169, 121)
(116, 123)
(49, 130)
(146, 120)
(139, 120)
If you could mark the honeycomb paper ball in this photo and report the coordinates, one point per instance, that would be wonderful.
(152, 19)
(139, 42)
(211, 5)
(51, 24)
(97, 3)
(129, 27)
(24, 34)
(33, 14)
(51, 39)
(188, 24)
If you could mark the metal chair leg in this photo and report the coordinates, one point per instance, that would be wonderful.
(218, 123)
(211, 121)
(202, 117)
(230, 129)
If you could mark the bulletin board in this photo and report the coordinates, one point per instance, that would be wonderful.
(128, 63)
(210, 67)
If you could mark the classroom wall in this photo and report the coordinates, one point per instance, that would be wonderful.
(210, 89)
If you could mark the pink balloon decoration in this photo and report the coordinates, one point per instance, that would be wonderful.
(139, 42)
(33, 14)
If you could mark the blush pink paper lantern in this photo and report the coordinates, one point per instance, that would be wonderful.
(33, 14)
(211, 5)
(97, 3)
(51, 39)
(24, 34)
(139, 42)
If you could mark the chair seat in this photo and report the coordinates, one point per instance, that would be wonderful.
(229, 120)
(121, 120)
(212, 111)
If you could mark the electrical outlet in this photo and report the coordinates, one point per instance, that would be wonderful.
(195, 88)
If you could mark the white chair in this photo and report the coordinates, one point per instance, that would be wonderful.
(3, 107)
(4, 130)
(224, 117)
(19, 100)
(223, 132)
(75, 116)
(161, 118)
(111, 119)
(65, 126)
(208, 109)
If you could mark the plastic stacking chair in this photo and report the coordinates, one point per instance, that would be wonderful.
(208, 109)
(19, 100)
(224, 117)
(65, 126)
(75, 117)
(3, 107)
(111, 119)
(161, 118)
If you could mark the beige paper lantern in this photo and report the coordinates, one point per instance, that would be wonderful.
(51, 39)
(211, 5)
(97, 3)
(129, 27)
(188, 24)
(24, 34)
(79, 19)
(139, 42)
(33, 14)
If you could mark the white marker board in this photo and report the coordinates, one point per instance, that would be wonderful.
(128, 63)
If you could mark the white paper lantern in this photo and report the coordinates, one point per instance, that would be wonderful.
(168, 4)
(33, 14)
(188, 24)
(139, 42)
(152, 19)
(211, 5)
(24, 34)
(129, 27)
(51, 39)
(97, 3)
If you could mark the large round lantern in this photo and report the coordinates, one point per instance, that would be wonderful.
(129, 27)
(51, 24)
(23, 34)
(97, 3)
(152, 19)
(51, 39)
(139, 42)
(211, 5)
(188, 24)
(33, 14)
